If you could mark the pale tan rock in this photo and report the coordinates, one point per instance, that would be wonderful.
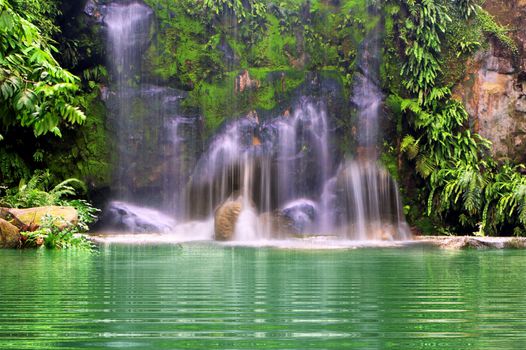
(225, 219)
(244, 82)
(32, 217)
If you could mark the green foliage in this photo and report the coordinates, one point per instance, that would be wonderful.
(468, 8)
(12, 166)
(462, 183)
(239, 8)
(37, 192)
(87, 213)
(505, 199)
(53, 233)
(52, 237)
(41, 13)
(35, 91)
(425, 24)
(85, 153)
(492, 28)
(219, 101)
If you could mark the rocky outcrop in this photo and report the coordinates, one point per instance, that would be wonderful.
(244, 82)
(9, 235)
(225, 219)
(275, 225)
(496, 102)
(300, 214)
(494, 88)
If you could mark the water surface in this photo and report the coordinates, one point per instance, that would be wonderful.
(202, 295)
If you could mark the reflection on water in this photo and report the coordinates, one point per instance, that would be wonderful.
(202, 295)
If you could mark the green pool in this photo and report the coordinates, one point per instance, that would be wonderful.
(206, 296)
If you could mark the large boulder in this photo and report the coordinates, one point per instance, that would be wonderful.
(301, 214)
(31, 218)
(9, 235)
(225, 219)
(122, 216)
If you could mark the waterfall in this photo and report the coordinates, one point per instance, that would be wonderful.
(155, 144)
(370, 205)
(280, 167)
(264, 165)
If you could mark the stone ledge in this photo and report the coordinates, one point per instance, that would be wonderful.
(471, 242)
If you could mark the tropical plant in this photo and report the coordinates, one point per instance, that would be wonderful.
(51, 236)
(35, 92)
(36, 191)
(242, 10)
(468, 8)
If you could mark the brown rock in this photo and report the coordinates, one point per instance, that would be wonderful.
(494, 102)
(32, 217)
(9, 235)
(225, 219)
(516, 243)
(244, 82)
(494, 89)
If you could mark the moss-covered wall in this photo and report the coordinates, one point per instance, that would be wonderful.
(204, 52)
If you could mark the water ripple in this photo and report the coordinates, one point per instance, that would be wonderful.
(223, 297)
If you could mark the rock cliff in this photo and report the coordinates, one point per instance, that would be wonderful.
(494, 87)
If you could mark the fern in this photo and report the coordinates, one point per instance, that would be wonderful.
(410, 146)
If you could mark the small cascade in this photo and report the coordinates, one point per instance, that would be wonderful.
(127, 27)
(304, 131)
(369, 204)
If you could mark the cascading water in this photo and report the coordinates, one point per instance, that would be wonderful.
(280, 169)
(127, 27)
(264, 165)
(154, 142)
(367, 201)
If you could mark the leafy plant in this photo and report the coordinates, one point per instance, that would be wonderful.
(87, 213)
(52, 237)
(492, 28)
(36, 192)
(468, 7)
(35, 91)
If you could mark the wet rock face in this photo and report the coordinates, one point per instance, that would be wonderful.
(245, 82)
(494, 89)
